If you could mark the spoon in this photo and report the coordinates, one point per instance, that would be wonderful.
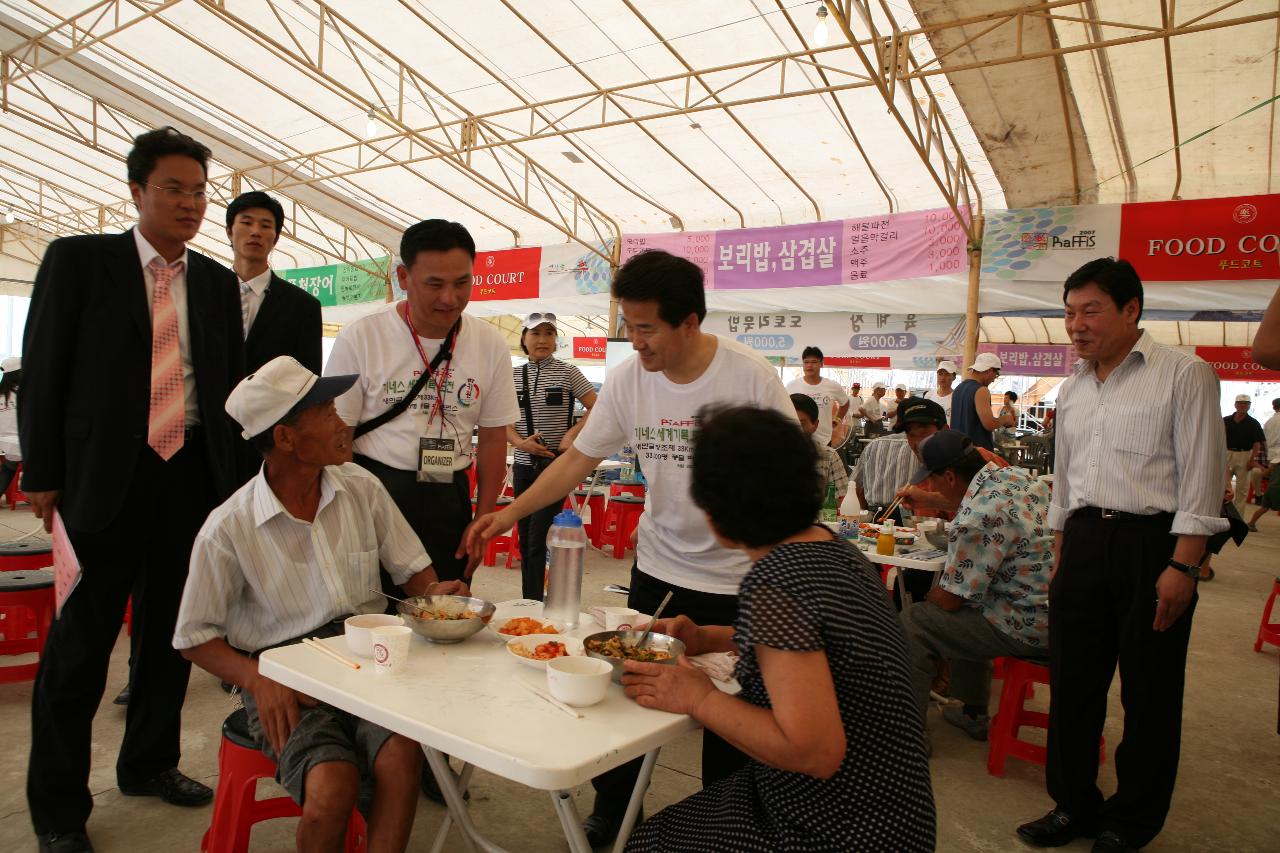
(661, 607)
(401, 600)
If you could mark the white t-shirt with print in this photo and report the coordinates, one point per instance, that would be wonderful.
(943, 401)
(656, 417)
(828, 394)
(478, 390)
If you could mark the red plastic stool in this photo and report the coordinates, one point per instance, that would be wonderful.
(620, 520)
(1019, 676)
(13, 494)
(626, 487)
(26, 610)
(25, 556)
(508, 544)
(593, 514)
(236, 807)
(1268, 631)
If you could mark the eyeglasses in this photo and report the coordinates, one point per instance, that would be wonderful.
(175, 194)
(537, 319)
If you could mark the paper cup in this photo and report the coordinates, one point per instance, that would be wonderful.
(623, 618)
(390, 647)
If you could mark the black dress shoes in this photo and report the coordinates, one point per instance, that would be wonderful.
(122, 698)
(172, 787)
(1056, 829)
(64, 842)
(1109, 842)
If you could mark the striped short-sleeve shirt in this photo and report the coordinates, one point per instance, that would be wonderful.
(550, 383)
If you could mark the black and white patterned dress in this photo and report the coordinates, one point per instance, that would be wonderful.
(809, 596)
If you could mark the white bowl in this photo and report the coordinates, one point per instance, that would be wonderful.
(505, 611)
(578, 681)
(359, 631)
(571, 645)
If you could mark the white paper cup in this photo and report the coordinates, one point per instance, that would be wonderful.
(390, 647)
(623, 619)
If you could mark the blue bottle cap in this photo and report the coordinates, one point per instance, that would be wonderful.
(567, 518)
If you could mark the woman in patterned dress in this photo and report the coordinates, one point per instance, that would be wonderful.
(826, 710)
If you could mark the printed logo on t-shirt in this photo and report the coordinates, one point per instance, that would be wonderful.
(469, 393)
(669, 441)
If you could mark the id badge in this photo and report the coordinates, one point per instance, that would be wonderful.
(435, 460)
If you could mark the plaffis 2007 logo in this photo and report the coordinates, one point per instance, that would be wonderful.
(1041, 241)
(468, 393)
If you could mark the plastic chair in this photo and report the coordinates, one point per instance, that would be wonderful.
(13, 494)
(25, 556)
(26, 611)
(593, 513)
(507, 543)
(620, 519)
(626, 487)
(1268, 631)
(236, 807)
(1019, 676)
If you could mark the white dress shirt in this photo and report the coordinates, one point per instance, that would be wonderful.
(1147, 440)
(252, 298)
(886, 465)
(259, 576)
(178, 292)
(1272, 430)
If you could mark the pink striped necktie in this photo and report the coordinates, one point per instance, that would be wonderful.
(165, 422)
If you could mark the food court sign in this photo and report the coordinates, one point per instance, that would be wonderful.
(1237, 363)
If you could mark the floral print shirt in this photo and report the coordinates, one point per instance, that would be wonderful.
(1000, 552)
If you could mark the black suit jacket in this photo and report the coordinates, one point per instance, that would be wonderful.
(86, 387)
(288, 323)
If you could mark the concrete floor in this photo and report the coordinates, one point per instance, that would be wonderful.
(1227, 797)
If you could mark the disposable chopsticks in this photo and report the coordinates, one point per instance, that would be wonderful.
(545, 698)
(321, 647)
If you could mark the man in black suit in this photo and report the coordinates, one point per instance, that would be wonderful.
(278, 318)
(131, 347)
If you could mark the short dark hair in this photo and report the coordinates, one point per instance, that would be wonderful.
(265, 441)
(811, 352)
(967, 466)
(1012, 395)
(805, 405)
(151, 146)
(1275, 404)
(252, 199)
(435, 235)
(1116, 278)
(755, 473)
(671, 281)
(13, 378)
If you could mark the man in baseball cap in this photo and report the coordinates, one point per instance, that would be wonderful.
(971, 408)
(290, 555)
(920, 419)
(899, 394)
(873, 410)
(941, 395)
(1245, 441)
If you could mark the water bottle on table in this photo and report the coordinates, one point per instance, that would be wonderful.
(566, 552)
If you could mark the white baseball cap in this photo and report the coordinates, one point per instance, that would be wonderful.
(899, 387)
(11, 364)
(1242, 398)
(537, 318)
(877, 385)
(279, 388)
(986, 361)
(948, 366)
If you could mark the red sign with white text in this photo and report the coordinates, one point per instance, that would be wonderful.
(871, 361)
(592, 348)
(1237, 363)
(1213, 239)
(506, 274)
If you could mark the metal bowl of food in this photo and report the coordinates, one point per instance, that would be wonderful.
(445, 618)
(937, 536)
(617, 646)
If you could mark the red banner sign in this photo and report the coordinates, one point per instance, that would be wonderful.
(1237, 363)
(1213, 239)
(590, 348)
(506, 274)
(872, 361)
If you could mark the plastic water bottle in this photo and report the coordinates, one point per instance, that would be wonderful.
(566, 551)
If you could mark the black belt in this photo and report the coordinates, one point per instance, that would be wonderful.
(1162, 518)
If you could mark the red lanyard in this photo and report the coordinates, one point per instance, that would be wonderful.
(445, 354)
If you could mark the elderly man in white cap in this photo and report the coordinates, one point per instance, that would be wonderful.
(872, 409)
(1245, 440)
(971, 406)
(899, 394)
(941, 395)
(290, 555)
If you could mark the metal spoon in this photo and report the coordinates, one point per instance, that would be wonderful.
(401, 600)
(661, 607)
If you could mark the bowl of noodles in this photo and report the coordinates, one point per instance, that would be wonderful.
(618, 646)
(445, 618)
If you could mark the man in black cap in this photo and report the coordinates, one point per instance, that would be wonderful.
(993, 598)
(920, 418)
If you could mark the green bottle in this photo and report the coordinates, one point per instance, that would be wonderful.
(830, 509)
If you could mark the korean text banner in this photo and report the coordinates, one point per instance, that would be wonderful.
(906, 341)
(1237, 364)
(342, 284)
(1033, 359)
(846, 251)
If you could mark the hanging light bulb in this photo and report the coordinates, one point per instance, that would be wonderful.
(9, 218)
(371, 126)
(820, 31)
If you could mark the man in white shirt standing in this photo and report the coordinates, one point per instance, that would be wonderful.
(826, 393)
(1141, 456)
(941, 395)
(899, 394)
(652, 402)
(290, 555)
(873, 410)
(1271, 429)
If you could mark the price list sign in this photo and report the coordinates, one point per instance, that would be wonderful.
(696, 246)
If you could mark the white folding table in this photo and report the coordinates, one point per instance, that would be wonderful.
(464, 700)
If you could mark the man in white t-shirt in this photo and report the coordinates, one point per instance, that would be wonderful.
(826, 393)
(873, 410)
(652, 401)
(422, 454)
(891, 407)
(947, 371)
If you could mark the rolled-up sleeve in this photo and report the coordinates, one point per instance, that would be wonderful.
(213, 583)
(1200, 452)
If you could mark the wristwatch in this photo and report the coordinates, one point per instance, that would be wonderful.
(1186, 568)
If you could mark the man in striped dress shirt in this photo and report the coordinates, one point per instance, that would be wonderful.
(884, 467)
(1141, 456)
(290, 555)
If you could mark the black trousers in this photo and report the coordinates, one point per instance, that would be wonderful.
(720, 759)
(533, 534)
(438, 512)
(1103, 605)
(145, 553)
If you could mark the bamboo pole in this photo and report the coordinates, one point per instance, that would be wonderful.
(971, 308)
